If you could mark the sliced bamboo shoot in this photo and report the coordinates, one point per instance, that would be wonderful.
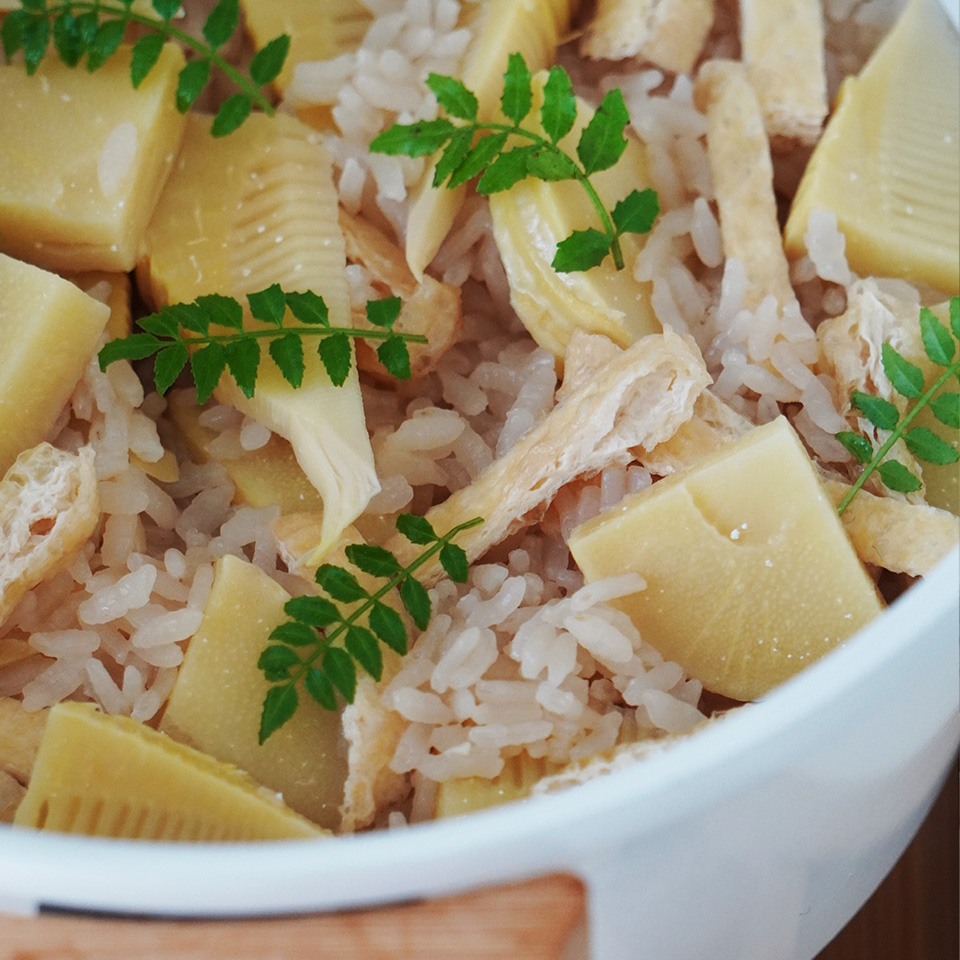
(749, 575)
(532, 217)
(243, 212)
(887, 164)
(532, 28)
(80, 175)
(516, 780)
(216, 702)
(49, 329)
(111, 776)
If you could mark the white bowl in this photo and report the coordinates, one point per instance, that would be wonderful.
(759, 837)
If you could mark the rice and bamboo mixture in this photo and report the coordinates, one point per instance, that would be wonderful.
(450, 402)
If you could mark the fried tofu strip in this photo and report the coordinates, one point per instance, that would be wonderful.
(782, 49)
(429, 307)
(669, 33)
(739, 155)
(11, 793)
(48, 509)
(901, 537)
(638, 400)
(20, 735)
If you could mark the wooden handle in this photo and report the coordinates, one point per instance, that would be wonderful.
(528, 921)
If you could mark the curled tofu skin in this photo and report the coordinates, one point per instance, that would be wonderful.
(430, 308)
(668, 33)
(638, 399)
(532, 28)
(204, 240)
(48, 510)
(739, 154)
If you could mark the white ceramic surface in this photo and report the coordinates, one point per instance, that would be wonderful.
(757, 839)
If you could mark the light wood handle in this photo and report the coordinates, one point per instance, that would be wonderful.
(528, 921)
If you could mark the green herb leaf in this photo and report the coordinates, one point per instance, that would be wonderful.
(416, 529)
(906, 378)
(276, 662)
(339, 669)
(453, 154)
(279, 706)
(188, 315)
(937, 342)
(220, 25)
(138, 346)
(384, 313)
(287, 354)
(167, 366)
(67, 40)
(294, 634)
(925, 445)
(167, 9)
(517, 96)
(146, 53)
(105, 44)
(395, 357)
(417, 602)
(336, 355)
(413, 139)
(859, 446)
(454, 562)
(946, 408)
(309, 308)
(453, 96)
(637, 212)
(221, 311)
(243, 361)
(602, 142)
(190, 83)
(388, 626)
(315, 611)
(340, 584)
(897, 477)
(955, 316)
(362, 645)
(268, 306)
(34, 38)
(233, 111)
(267, 64)
(373, 560)
(508, 169)
(478, 158)
(559, 111)
(582, 250)
(207, 366)
(321, 689)
(12, 30)
(550, 165)
(881, 413)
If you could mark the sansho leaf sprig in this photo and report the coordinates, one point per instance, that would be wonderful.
(472, 148)
(95, 30)
(209, 355)
(940, 345)
(306, 649)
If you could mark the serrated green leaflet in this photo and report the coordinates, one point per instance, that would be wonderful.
(239, 350)
(325, 644)
(168, 365)
(495, 153)
(97, 28)
(907, 379)
(279, 706)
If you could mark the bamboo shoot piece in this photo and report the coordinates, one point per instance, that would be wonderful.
(215, 704)
(515, 781)
(239, 214)
(749, 574)
(887, 164)
(110, 776)
(49, 329)
(80, 177)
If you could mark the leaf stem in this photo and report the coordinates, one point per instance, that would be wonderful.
(897, 433)
(168, 30)
(581, 177)
(304, 331)
(327, 640)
